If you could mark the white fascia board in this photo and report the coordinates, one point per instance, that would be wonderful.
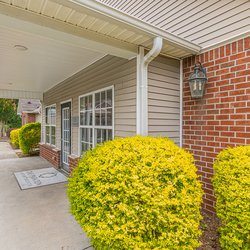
(110, 12)
(27, 21)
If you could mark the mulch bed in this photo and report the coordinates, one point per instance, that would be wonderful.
(210, 237)
(21, 155)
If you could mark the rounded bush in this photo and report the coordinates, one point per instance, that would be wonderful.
(14, 137)
(137, 193)
(29, 137)
(232, 190)
(8, 131)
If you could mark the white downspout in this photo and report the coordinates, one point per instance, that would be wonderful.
(181, 101)
(142, 85)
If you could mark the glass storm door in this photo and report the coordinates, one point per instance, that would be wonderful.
(66, 134)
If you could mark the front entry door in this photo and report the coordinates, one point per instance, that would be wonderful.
(66, 134)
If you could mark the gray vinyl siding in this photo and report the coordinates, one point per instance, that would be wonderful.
(108, 71)
(164, 98)
(202, 22)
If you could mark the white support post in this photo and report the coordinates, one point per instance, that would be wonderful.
(142, 85)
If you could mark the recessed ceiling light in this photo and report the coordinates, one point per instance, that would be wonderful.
(20, 47)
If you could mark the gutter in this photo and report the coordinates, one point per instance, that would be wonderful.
(142, 85)
(127, 20)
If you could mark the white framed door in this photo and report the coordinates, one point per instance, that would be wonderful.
(65, 134)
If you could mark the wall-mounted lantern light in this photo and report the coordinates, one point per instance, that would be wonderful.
(197, 81)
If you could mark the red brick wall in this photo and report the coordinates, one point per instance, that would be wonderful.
(31, 118)
(222, 117)
(73, 162)
(28, 118)
(51, 154)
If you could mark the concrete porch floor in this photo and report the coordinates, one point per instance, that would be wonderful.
(35, 218)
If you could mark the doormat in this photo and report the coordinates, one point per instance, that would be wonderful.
(39, 178)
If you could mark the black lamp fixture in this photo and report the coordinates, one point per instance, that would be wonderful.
(197, 81)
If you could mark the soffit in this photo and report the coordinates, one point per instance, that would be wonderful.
(105, 28)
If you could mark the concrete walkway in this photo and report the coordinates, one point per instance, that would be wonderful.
(6, 151)
(35, 218)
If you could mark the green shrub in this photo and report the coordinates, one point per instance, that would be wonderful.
(29, 137)
(137, 193)
(232, 189)
(14, 137)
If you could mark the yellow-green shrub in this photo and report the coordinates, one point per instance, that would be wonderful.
(14, 137)
(232, 189)
(137, 193)
(29, 137)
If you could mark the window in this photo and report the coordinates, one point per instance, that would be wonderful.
(50, 125)
(96, 118)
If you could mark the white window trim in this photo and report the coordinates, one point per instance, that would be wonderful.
(49, 125)
(93, 127)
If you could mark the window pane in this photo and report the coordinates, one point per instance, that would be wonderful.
(102, 135)
(86, 135)
(82, 101)
(86, 118)
(90, 103)
(46, 115)
(109, 117)
(110, 136)
(103, 100)
(49, 116)
(47, 139)
(97, 100)
(86, 103)
(98, 136)
(86, 139)
(103, 116)
(53, 115)
(82, 118)
(83, 134)
(84, 147)
(109, 98)
(53, 135)
(97, 117)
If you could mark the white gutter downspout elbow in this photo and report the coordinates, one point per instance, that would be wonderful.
(142, 85)
(154, 52)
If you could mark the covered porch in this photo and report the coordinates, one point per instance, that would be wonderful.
(60, 51)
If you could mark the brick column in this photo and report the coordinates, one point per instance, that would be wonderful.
(51, 154)
(221, 118)
(73, 162)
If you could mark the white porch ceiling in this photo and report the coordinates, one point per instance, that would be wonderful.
(65, 36)
(46, 62)
(88, 18)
